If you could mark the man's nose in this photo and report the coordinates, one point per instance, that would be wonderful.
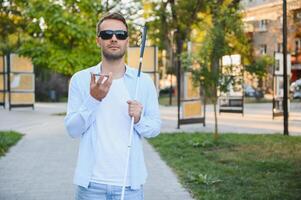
(114, 37)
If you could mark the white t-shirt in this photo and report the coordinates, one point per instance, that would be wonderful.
(113, 125)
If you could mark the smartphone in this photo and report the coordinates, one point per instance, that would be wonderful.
(106, 76)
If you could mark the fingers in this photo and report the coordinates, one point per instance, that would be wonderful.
(93, 79)
(135, 110)
(100, 88)
(133, 102)
(134, 107)
(105, 80)
(108, 82)
(100, 80)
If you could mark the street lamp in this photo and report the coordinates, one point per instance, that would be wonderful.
(284, 43)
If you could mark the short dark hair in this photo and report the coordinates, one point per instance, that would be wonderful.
(106, 16)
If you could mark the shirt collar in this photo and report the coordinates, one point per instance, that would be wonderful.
(130, 72)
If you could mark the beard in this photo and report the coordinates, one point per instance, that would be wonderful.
(113, 56)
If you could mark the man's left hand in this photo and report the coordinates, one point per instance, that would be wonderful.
(135, 110)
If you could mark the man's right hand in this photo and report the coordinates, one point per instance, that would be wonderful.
(99, 90)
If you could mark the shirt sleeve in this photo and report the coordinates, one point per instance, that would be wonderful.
(150, 123)
(80, 110)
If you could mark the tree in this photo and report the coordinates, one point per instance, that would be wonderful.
(224, 35)
(259, 67)
(170, 23)
(12, 25)
(59, 35)
(62, 36)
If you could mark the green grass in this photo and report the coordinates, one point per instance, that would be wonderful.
(236, 166)
(60, 114)
(8, 139)
(63, 99)
(164, 100)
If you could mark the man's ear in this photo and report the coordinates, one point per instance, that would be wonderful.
(98, 42)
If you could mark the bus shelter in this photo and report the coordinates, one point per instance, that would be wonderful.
(231, 100)
(17, 82)
(277, 108)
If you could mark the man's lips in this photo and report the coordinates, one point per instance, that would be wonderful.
(113, 47)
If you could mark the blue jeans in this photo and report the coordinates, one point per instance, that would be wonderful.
(96, 191)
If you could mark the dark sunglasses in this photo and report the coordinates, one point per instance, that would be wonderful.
(108, 34)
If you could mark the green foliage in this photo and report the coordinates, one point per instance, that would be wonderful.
(237, 166)
(187, 61)
(173, 16)
(59, 35)
(8, 139)
(12, 24)
(223, 28)
(172, 26)
(222, 24)
(202, 179)
(160, 28)
(259, 67)
(62, 37)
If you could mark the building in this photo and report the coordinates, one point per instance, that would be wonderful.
(263, 23)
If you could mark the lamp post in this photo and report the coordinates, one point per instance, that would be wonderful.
(284, 43)
(179, 44)
(172, 66)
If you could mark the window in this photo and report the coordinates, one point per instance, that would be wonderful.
(297, 15)
(297, 45)
(277, 65)
(263, 25)
(263, 49)
(279, 47)
(281, 22)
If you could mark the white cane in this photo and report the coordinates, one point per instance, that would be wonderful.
(132, 122)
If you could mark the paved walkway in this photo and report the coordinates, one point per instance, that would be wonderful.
(41, 165)
(257, 118)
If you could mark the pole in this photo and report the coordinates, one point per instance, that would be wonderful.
(179, 49)
(171, 67)
(4, 80)
(284, 43)
(8, 79)
(170, 90)
(132, 120)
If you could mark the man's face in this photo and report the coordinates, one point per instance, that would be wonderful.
(112, 49)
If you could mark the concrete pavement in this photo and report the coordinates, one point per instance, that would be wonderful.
(41, 165)
(257, 119)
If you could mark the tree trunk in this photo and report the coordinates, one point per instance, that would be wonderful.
(215, 71)
(215, 134)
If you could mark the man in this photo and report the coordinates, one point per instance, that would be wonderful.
(99, 113)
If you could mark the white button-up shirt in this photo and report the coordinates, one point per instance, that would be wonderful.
(80, 122)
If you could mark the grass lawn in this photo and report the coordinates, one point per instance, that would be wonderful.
(60, 114)
(237, 166)
(8, 139)
(164, 100)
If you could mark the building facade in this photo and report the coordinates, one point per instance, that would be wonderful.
(263, 23)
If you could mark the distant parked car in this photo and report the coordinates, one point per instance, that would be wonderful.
(249, 91)
(295, 88)
(166, 90)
